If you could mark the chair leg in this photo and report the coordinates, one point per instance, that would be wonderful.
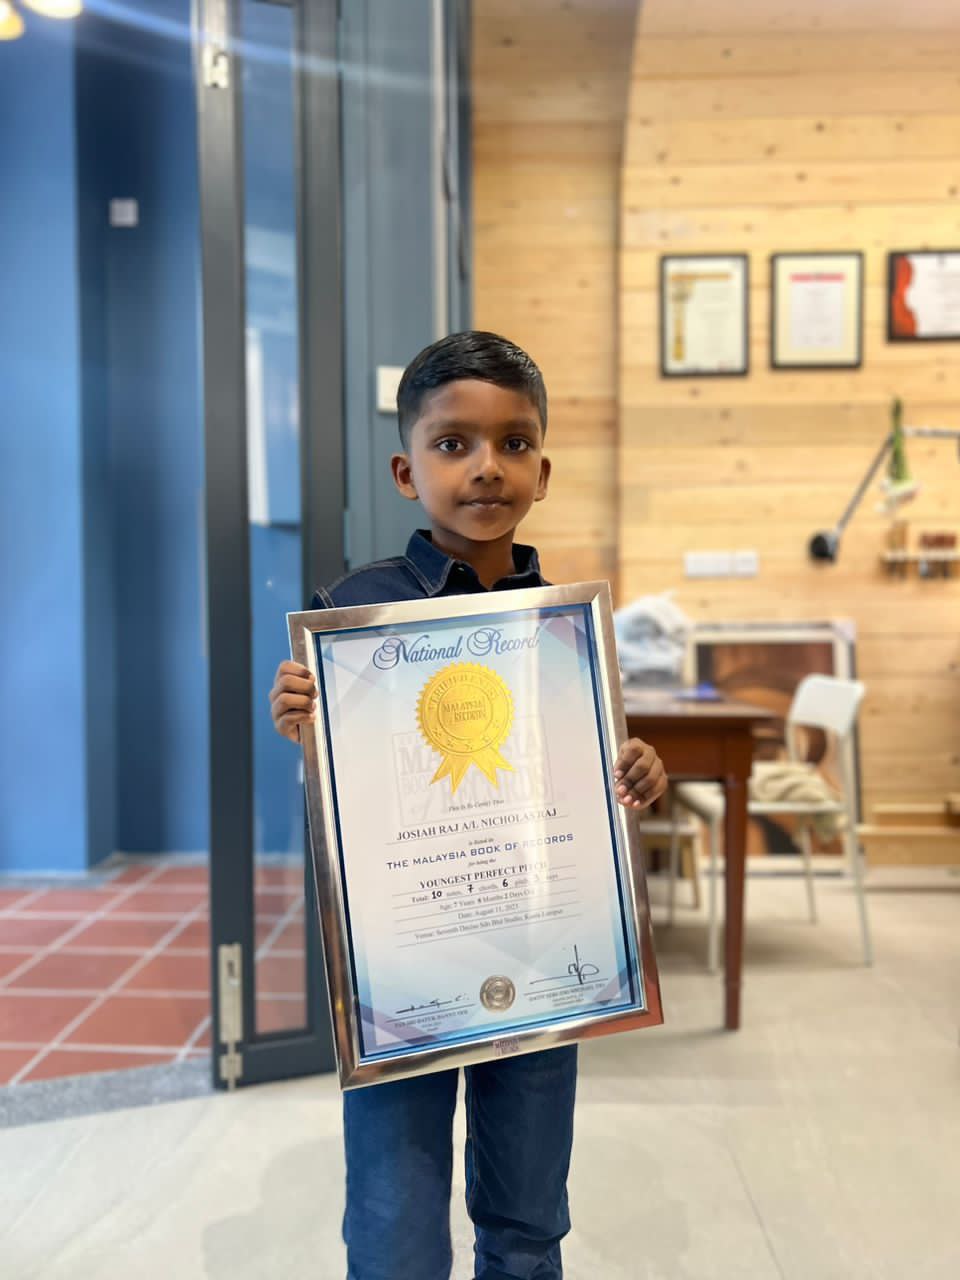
(713, 939)
(856, 867)
(674, 862)
(691, 855)
(806, 848)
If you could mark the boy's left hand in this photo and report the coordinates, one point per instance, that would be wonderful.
(639, 776)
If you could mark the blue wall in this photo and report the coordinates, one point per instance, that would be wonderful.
(43, 814)
(103, 741)
(137, 139)
(391, 257)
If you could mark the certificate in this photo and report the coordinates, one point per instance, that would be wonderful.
(923, 297)
(704, 315)
(480, 891)
(816, 310)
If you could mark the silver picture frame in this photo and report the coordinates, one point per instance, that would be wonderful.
(357, 1065)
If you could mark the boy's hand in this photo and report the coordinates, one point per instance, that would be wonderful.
(293, 699)
(639, 776)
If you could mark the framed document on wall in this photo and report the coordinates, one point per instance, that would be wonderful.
(480, 891)
(923, 296)
(704, 315)
(816, 319)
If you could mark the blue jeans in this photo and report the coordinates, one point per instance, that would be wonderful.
(399, 1147)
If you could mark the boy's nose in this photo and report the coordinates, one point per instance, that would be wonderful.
(488, 464)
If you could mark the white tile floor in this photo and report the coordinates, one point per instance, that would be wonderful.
(822, 1142)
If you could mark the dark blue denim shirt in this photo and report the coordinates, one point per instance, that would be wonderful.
(423, 572)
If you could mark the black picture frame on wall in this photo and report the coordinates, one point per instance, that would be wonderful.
(704, 315)
(816, 313)
(932, 313)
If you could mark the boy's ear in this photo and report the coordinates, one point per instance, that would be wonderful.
(403, 476)
(544, 480)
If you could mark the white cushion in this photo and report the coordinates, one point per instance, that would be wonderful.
(705, 799)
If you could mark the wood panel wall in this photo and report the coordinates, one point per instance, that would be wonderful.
(550, 84)
(769, 125)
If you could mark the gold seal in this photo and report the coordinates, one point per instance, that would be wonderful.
(465, 713)
(497, 993)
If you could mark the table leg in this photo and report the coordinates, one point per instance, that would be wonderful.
(735, 843)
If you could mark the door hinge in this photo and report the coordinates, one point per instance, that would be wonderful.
(216, 67)
(230, 974)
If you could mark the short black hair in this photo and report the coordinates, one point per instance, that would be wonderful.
(485, 357)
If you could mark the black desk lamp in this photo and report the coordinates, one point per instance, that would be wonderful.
(826, 544)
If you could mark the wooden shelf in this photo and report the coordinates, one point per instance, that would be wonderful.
(910, 845)
(909, 557)
(930, 564)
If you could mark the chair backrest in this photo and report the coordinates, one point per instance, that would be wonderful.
(826, 702)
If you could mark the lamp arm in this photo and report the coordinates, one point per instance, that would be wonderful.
(864, 485)
(824, 546)
(934, 433)
(937, 433)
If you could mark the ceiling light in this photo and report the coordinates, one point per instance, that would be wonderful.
(11, 24)
(55, 8)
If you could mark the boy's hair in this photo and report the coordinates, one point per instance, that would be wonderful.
(475, 354)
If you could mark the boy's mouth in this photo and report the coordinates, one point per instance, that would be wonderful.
(486, 502)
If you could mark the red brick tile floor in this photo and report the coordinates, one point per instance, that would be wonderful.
(112, 970)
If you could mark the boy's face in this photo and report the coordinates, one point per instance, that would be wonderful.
(475, 460)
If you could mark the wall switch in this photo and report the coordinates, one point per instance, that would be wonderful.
(721, 564)
(707, 564)
(388, 381)
(746, 564)
(124, 213)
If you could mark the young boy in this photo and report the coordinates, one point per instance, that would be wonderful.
(473, 413)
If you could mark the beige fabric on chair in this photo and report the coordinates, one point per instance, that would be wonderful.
(794, 782)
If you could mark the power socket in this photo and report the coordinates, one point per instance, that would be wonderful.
(746, 564)
(388, 383)
(707, 564)
(721, 564)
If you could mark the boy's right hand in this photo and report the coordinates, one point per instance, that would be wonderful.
(293, 699)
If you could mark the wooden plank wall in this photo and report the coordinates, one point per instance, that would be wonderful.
(763, 125)
(549, 98)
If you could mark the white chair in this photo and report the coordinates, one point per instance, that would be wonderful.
(823, 702)
(676, 828)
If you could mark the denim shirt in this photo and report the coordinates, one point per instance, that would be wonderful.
(423, 572)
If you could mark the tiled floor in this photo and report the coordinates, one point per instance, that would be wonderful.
(113, 971)
(820, 1142)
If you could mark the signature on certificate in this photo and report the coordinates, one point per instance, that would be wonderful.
(434, 1004)
(579, 969)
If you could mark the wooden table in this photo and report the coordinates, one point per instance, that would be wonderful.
(709, 740)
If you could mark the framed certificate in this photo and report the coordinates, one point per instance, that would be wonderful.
(816, 319)
(480, 890)
(704, 315)
(923, 296)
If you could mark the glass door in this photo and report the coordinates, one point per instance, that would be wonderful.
(270, 195)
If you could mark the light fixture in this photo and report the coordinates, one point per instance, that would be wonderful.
(899, 487)
(55, 8)
(11, 24)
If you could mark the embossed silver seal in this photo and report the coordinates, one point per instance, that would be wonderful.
(497, 993)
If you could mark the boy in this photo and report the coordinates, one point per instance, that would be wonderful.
(473, 413)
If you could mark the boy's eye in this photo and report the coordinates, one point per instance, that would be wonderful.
(448, 445)
(517, 444)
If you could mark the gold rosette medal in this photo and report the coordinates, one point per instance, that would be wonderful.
(465, 713)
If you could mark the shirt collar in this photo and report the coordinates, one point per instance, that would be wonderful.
(433, 567)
